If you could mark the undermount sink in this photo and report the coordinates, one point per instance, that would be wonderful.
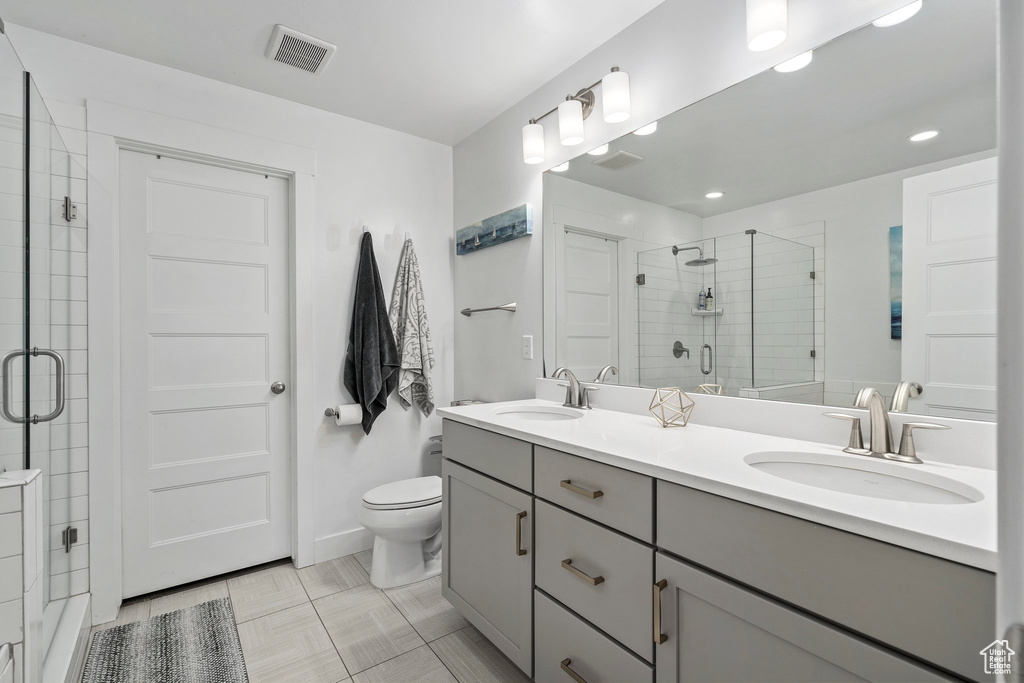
(865, 477)
(540, 413)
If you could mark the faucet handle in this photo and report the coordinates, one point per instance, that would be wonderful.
(585, 395)
(908, 451)
(856, 444)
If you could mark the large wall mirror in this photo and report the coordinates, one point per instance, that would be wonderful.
(840, 250)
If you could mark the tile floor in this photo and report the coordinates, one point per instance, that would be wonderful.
(328, 624)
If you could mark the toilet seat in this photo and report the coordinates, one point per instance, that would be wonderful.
(405, 494)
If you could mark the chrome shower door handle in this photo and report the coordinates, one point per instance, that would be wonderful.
(5, 398)
(5, 389)
(711, 359)
(59, 408)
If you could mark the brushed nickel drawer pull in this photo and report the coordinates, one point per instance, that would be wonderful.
(568, 485)
(575, 676)
(519, 533)
(592, 580)
(659, 637)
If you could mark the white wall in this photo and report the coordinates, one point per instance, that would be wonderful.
(680, 52)
(857, 218)
(366, 175)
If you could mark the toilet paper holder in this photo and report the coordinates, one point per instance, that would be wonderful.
(331, 412)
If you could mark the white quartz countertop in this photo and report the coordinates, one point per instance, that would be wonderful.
(712, 459)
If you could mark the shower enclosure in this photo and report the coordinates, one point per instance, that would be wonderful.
(36, 302)
(756, 340)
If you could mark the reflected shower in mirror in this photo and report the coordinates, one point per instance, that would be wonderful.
(837, 246)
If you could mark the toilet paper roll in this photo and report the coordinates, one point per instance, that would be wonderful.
(351, 414)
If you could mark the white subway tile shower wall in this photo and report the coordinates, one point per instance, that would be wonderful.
(787, 324)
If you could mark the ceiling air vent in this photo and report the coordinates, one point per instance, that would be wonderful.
(294, 48)
(618, 160)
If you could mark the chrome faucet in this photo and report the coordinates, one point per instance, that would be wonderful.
(901, 397)
(881, 430)
(572, 391)
(881, 441)
(576, 395)
(604, 371)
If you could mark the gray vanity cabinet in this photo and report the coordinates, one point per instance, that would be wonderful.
(716, 630)
(487, 558)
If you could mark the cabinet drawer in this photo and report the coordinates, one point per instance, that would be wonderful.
(626, 501)
(502, 457)
(620, 603)
(561, 635)
(923, 605)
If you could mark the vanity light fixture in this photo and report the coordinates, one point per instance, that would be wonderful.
(795, 64)
(533, 143)
(561, 168)
(767, 23)
(715, 194)
(899, 16)
(923, 135)
(599, 150)
(575, 110)
(646, 130)
(570, 122)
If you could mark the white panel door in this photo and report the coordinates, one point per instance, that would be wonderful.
(205, 445)
(588, 305)
(949, 287)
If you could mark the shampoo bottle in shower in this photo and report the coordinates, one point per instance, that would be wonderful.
(701, 300)
(709, 301)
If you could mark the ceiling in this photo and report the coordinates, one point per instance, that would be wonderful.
(845, 117)
(438, 69)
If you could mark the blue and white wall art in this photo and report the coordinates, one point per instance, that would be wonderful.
(504, 227)
(896, 281)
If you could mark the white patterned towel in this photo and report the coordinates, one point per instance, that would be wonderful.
(408, 320)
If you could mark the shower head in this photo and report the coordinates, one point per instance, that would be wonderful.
(699, 261)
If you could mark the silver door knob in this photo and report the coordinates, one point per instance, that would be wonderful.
(277, 387)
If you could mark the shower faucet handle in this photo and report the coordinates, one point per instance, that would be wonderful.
(856, 444)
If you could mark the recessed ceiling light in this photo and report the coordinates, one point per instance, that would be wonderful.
(795, 64)
(598, 151)
(646, 130)
(923, 135)
(561, 168)
(714, 195)
(899, 16)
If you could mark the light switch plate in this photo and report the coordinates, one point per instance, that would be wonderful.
(527, 347)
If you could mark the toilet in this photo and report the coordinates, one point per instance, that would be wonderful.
(405, 517)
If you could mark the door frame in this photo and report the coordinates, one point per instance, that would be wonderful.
(113, 128)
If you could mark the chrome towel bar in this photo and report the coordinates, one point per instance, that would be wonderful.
(510, 307)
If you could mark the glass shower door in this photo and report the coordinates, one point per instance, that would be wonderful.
(675, 340)
(50, 436)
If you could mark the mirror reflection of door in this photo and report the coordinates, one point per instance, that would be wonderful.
(588, 305)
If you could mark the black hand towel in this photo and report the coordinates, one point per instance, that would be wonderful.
(371, 364)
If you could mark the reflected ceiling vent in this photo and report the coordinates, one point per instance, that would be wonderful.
(618, 160)
(294, 48)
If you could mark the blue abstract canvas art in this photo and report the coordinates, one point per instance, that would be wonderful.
(504, 227)
(896, 282)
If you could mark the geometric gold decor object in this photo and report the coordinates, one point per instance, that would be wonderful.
(671, 406)
(713, 389)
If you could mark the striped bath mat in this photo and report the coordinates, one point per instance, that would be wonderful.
(197, 644)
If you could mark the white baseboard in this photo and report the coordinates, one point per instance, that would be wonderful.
(339, 545)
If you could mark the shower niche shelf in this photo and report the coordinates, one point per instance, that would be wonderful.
(702, 313)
